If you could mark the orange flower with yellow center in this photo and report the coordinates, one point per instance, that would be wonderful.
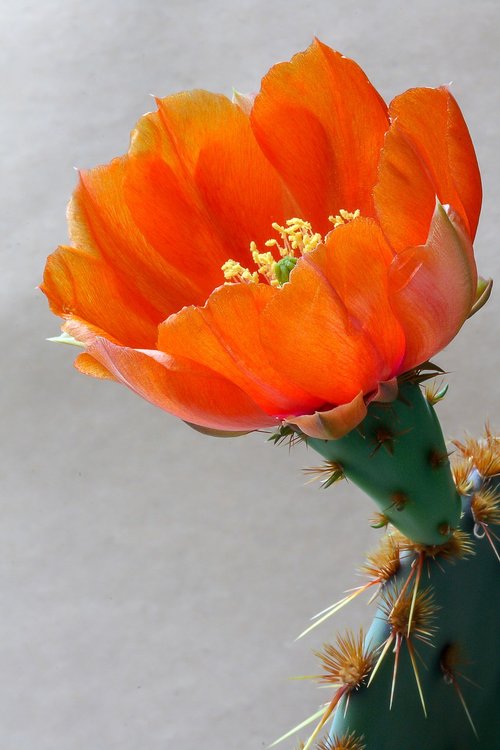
(274, 259)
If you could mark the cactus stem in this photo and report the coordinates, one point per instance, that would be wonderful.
(448, 613)
(418, 498)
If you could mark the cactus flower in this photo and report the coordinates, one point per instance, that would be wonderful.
(277, 259)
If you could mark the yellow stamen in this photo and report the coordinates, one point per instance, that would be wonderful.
(234, 271)
(265, 264)
(296, 235)
(343, 217)
(295, 239)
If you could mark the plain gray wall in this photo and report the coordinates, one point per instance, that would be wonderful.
(152, 580)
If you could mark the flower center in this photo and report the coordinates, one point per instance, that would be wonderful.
(295, 239)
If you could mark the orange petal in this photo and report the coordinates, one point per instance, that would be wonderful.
(333, 423)
(225, 336)
(356, 259)
(331, 329)
(166, 217)
(433, 287)
(101, 224)
(185, 389)
(78, 283)
(198, 186)
(427, 153)
(322, 124)
(87, 365)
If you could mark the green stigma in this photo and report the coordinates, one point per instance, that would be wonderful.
(283, 268)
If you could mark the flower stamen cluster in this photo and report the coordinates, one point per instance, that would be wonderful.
(296, 238)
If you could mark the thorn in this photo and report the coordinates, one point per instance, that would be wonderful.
(411, 651)
(438, 458)
(464, 704)
(329, 611)
(489, 536)
(381, 658)
(297, 728)
(450, 659)
(326, 715)
(419, 566)
(436, 393)
(444, 529)
(328, 474)
(399, 500)
(397, 651)
(379, 521)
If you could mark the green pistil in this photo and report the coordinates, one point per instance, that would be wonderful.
(283, 268)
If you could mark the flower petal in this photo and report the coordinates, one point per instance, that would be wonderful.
(433, 287)
(198, 186)
(332, 424)
(101, 223)
(160, 222)
(322, 124)
(331, 329)
(427, 153)
(87, 365)
(225, 336)
(78, 283)
(183, 388)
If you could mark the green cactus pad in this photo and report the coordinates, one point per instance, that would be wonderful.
(467, 595)
(398, 456)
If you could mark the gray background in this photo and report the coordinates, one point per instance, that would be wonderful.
(152, 580)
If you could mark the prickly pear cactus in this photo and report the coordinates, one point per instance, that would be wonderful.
(427, 672)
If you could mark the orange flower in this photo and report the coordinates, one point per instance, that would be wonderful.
(172, 290)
